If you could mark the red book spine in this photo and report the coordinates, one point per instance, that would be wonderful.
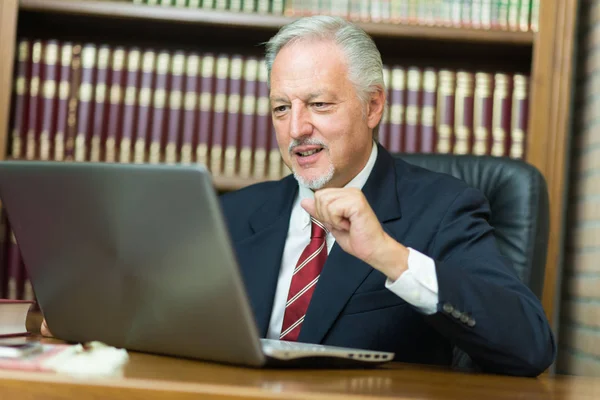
(175, 114)
(445, 114)
(397, 109)
(73, 104)
(219, 117)
(463, 117)
(115, 105)
(413, 110)
(520, 115)
(482, 114)
(233, 116)
(263, 123)
(35, 102)
(100, 106)
(144, 102)
(86, 94)
(383, 130)
(20, 120)
(159, 102)
(248, 116)
(206, 105)
(502, 115)
(49, 94)
(129, 124)
(190, 104)
(428, 108)
(62, 104)
(275, 160)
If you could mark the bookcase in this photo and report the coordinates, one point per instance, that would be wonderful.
(543, 55)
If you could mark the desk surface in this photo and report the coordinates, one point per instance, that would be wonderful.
(155, 377)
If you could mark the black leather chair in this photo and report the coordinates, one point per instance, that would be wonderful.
(518, 198)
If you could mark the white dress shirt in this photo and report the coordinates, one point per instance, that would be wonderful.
(418, 285)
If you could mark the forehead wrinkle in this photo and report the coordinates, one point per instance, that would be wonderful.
(307, 97)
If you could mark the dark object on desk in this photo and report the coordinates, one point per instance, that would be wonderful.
(13, 314)
(518, 198)
(139, 257)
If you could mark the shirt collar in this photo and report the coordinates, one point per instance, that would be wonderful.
(357, 182)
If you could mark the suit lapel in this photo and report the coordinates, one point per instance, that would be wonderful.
(343, 273)
(260, 254)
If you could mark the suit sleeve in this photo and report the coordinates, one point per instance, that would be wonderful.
(484, 308)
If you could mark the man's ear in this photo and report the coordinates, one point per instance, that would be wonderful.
(375, 107)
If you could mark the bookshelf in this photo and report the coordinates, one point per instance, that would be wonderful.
(544, 55)
(262, 21)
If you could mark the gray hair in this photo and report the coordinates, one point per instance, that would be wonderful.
(365, 68)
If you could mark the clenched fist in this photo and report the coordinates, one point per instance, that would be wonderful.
(348, 216)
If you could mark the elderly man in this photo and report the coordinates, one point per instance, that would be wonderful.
(358, 249)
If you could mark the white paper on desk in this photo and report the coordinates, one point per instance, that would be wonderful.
(93, 359)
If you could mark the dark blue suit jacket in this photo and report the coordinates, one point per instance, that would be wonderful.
(483, 308)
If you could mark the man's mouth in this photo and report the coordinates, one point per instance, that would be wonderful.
(307, 153)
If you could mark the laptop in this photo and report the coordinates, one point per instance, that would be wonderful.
(138, 256)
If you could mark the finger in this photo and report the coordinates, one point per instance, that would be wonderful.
(310, 207)
(322, 199)
(331, 209)
(44, 329)
(337, 210)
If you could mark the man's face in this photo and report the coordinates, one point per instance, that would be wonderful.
(323, 130)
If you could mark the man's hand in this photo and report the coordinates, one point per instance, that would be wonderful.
(44, 329)
(349, 217)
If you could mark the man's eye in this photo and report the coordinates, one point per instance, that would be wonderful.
(280, 108)
(320, 104)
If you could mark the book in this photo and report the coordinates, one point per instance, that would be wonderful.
(13, 314)
(81, 360)
(18, 349)
(113, 102)
(43, 360)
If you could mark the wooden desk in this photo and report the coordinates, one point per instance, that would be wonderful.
(156, 377)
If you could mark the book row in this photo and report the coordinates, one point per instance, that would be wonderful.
(516, 15)
(96, 102)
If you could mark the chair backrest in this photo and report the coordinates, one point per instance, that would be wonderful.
(518, 198)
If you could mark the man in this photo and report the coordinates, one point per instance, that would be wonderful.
(358, 249)
(408, 262)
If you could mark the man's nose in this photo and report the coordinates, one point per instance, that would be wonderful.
(300, 122)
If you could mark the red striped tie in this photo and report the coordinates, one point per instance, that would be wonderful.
(304, 281)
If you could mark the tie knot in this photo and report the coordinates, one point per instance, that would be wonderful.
(317, 229)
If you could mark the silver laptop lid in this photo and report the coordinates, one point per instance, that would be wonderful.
(136, 256)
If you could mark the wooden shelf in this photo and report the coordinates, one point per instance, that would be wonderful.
(272, 23)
